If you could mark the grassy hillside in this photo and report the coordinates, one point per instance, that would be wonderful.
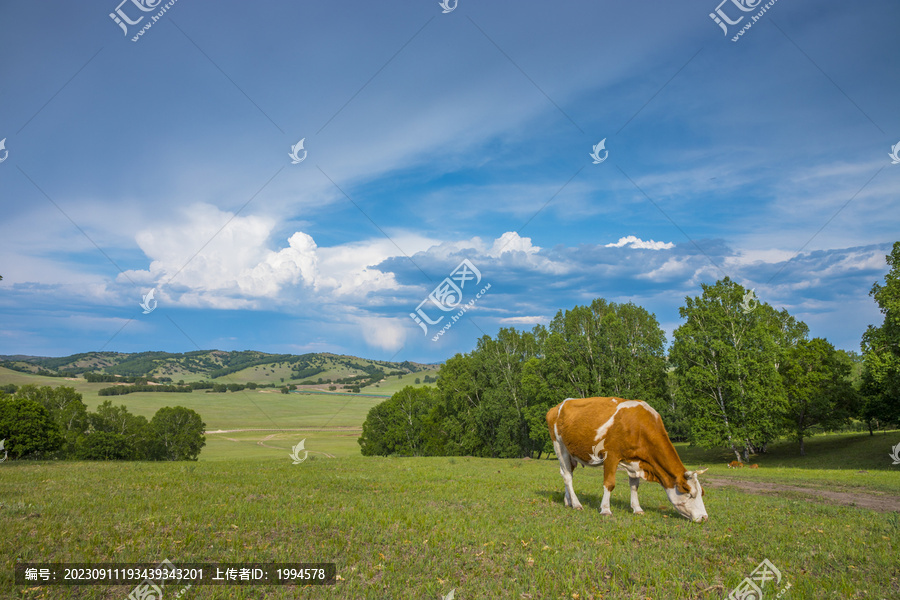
(420, 527)
(227, 367)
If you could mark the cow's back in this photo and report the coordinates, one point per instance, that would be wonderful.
(580, 423)
(576, 421)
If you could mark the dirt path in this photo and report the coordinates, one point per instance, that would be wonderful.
(878, 501)
(263, 441)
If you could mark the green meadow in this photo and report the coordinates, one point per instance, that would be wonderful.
(421, 527)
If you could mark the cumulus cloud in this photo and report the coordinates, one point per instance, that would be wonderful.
(206, 249)
(637, 243)
(511, 242)
(367, 288)
(213, 258)
(298, 262)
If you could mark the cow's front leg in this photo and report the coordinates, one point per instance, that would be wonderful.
(634, 482)
(609, 484)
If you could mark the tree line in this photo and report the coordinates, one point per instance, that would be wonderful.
(738, 375)
(45, 422)
(121, 390)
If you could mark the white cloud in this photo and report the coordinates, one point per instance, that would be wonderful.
(511, 242)
(298, 262)
(387, 334)
(207, 249)
(637, 243)
(215, 259)
(530, 320)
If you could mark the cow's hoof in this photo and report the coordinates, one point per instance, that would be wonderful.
(577, 507)
(638, 512)
(605, 513)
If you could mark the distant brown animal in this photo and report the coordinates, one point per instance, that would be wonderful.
(753, 467)
(735, 464)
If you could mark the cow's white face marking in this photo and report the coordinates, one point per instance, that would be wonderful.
(689, 505)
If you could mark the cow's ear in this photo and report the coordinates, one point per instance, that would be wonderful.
(683, 484)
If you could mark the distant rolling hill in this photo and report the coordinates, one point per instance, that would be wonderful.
(241, 367)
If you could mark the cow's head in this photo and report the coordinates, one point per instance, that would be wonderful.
(687, 496)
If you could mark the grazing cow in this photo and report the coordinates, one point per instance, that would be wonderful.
(735, 464)
(625, 434)
(753, 466)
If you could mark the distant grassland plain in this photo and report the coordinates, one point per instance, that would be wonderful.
(421, 527)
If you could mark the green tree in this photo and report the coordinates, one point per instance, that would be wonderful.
(726, 361)
(606, 349)
(176, 434)
(66, 408)
(534, 386)
(103, 445)
(484, 408)
(118, 421)
(881, 351)
(819, 393)
(27, 427)
(398, 425)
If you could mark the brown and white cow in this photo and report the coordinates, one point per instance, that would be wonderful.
(625, 434)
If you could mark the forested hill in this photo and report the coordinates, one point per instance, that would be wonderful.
(202, 364)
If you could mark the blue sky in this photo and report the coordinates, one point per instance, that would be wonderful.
(431, 137)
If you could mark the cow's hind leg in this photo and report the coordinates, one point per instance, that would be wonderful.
(566, 466)
(634, 482)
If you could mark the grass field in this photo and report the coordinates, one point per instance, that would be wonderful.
(421, 527)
